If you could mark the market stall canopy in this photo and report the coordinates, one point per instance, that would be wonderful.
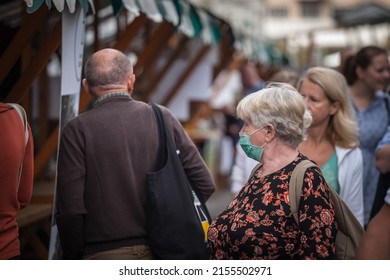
(363, 14)
(188, 19)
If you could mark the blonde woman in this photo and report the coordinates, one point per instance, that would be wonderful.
(333, 140)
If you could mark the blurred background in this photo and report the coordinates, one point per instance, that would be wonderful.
(307, 32)
(187, 55)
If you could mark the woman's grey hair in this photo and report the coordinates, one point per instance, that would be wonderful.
(280, 105)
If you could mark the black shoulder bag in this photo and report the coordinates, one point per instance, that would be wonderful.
(177, 219)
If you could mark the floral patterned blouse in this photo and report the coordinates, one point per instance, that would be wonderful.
(258, 223)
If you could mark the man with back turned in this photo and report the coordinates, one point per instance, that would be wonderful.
(104, 156)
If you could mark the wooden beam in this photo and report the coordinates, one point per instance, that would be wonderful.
(172, 58)
(157, 46)
(154, 46)
(38, 63)
(186, 74)
(43, 92)
(226, 53)
(24, 35)
(96, 22)
(25, 59)
(44, 154)
(130, 32)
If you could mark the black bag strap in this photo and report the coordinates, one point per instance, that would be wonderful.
(161, 157)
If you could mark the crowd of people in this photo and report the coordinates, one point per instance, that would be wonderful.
(337, 118)
(342, 139)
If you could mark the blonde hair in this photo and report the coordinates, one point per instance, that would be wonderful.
(281, 105)
(343, 129)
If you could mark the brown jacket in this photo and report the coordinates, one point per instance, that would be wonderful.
(104, 157)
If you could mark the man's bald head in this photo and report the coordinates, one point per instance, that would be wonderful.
(107, 68)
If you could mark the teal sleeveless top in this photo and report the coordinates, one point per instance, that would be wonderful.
(330, 172)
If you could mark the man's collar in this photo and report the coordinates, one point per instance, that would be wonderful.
(108, 95)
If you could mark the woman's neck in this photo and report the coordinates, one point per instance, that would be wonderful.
(317, 134)
(276, 157)
(317, 147)
(362, 95)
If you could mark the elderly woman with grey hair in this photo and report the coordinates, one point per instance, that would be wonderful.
(258, 223)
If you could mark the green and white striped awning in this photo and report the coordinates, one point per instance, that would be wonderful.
(190, 20)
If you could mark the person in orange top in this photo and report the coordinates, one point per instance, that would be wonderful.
(15, 191)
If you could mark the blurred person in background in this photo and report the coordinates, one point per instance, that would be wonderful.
(367, 74)
(382, 154)
(333, 139)
(382, 158)
(345, 57)
(375, 244)
(288, 76)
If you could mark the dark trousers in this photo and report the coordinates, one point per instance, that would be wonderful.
(137, 252)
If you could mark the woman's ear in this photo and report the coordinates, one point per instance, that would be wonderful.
(270, 132)
(360, 72)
